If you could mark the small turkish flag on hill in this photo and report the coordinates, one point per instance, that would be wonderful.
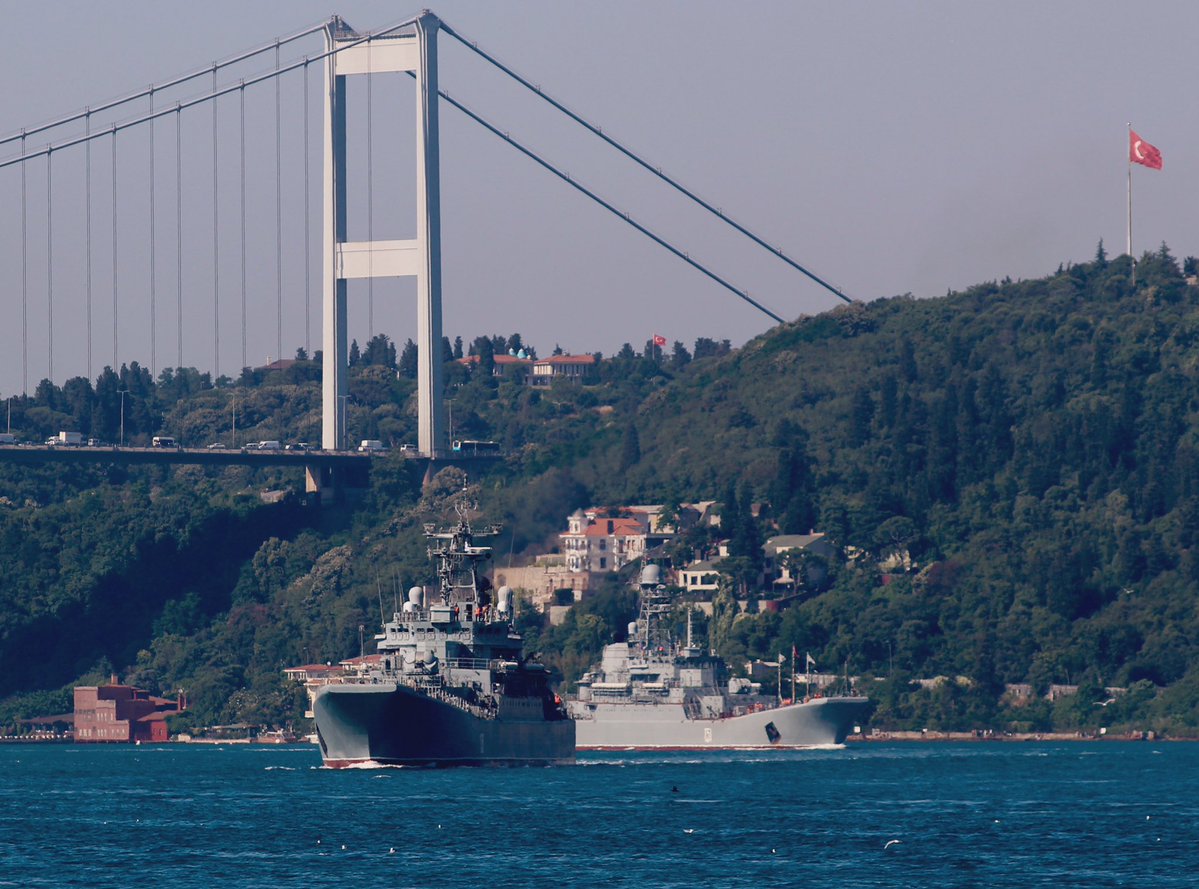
(660, 340)
(1141, 152)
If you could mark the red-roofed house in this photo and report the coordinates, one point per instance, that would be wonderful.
(599, 540)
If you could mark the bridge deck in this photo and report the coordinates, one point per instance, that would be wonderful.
(201, 456)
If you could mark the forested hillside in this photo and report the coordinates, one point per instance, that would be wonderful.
(1031, 446)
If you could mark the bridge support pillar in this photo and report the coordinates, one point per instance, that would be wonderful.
(352, 53)
(320, 480)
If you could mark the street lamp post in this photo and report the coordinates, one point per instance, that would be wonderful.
(122, 393)
(235, 418)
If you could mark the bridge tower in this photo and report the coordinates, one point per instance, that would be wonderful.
(349, 53)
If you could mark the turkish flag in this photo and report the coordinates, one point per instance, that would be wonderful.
(1141, 152)
(660, 340)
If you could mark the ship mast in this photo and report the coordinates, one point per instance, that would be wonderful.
(457, 558)
(655, 605)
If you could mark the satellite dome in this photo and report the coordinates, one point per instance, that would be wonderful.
(414, 595)
(651, 575)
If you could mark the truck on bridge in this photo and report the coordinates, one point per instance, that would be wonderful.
(67, 439)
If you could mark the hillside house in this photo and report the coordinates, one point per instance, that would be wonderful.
(508, 367)
(785, 553)
(702, 576)
(562, 367)
(599, 540)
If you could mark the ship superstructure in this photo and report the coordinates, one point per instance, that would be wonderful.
(452, 684)
(651, 692)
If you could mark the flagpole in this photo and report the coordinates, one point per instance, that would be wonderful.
(779, 696)
(1128, 158)
(792, 673)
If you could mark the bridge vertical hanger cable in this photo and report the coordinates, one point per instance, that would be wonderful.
(307, 227)
(50, 266)
(278, 212)
(179, 232)
(87, 127)
(370, 194)
(216, 242)
(115, 350)
(242, 131)
(153, 325)
(24, 278)
(656, 171)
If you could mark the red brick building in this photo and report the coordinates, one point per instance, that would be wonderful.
(121, 714)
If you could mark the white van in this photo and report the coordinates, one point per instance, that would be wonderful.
(164, 441)
(269, 445)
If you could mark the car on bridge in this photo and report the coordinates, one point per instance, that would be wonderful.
(298, 446)
(217, 446)
(371, 446)
(164, 441)
(268, 445)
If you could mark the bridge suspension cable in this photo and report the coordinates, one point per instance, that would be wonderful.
(656, 171)
(565, 177)
(216, 93)
(165, 85)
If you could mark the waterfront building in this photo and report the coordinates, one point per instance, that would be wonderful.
(122, 714)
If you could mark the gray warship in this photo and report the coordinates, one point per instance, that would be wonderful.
(651, 693)
(451, 685)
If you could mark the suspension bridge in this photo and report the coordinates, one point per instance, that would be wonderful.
(153, 184)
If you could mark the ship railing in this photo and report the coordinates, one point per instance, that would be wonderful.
(469, 663)
(434, 688)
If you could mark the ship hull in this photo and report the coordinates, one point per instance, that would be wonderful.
(664, 726)
(390, 724)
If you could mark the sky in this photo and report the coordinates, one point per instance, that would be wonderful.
(891, 148)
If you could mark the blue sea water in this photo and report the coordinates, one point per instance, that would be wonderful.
(984, 814)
